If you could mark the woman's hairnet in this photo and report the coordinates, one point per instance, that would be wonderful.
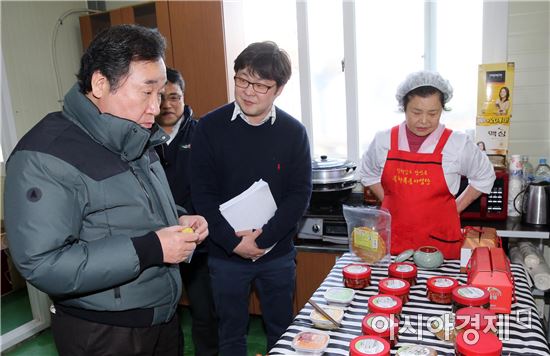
(424, 79)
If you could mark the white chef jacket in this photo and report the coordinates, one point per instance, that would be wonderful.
(461, 157)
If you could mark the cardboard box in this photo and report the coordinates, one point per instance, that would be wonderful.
(477, 237)
(489, 268)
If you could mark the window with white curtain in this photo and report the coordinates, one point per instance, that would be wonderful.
(249, 21)
(390, 44)
(393, 38)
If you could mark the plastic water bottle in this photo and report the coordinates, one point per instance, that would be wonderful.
(515, 183)
(528, 171)
(542, 173)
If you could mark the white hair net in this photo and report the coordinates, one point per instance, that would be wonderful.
(424, 79)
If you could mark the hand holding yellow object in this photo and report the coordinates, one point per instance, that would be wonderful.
(188, 230)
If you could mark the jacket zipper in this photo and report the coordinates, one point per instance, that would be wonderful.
(144, 190)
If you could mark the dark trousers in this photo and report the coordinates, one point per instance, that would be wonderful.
(204, 323)
(231, 284)
(74, 337)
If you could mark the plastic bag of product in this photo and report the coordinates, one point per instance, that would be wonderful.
(369, 232)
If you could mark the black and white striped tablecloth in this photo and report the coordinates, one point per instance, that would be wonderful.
(522, 332)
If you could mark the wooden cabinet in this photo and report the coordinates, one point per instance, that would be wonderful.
(195, 43)
(311, 270)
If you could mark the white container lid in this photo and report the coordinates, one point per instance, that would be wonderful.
(311, 342)
(321, 322)
(339, 295)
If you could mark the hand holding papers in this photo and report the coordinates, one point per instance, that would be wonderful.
(251, 209)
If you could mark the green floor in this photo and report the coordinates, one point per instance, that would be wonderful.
(16, 310)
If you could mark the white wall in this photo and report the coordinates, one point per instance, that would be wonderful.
(529, 47)
(26, 41)
(111, 5)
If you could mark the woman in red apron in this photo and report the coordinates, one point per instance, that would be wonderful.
(412, 184)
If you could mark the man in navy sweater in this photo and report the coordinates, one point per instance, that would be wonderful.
(234, 146)
(176, 118)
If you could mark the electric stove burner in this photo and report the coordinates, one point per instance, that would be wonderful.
(327, 222)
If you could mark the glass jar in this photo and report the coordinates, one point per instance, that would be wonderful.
(470, 296)
(403, 270)
(439, 290)
(369, 345)
(395, 286)
(475, 318)
(385, 304)
(381, 325)
(356, 276)
(475, 343)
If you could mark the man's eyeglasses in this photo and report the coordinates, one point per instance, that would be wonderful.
(258, 87)
(171, 97)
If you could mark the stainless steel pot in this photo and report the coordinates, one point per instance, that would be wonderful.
(333, 180)
(329, 171)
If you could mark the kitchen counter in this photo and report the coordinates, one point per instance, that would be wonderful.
(509, 228)
(523, 334)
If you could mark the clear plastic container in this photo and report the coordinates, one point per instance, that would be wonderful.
(369, 231)
(515, 184)
(310, 342)
(542, 172)
(528, 171)
(319, 321)
(339, 296)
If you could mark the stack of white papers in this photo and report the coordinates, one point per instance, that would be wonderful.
(251, 209)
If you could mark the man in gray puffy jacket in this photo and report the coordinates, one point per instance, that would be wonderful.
(89, 215)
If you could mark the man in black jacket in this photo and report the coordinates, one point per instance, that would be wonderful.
(177, 120)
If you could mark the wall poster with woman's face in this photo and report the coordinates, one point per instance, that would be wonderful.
(494, 106)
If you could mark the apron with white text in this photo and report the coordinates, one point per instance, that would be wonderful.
(423, 210)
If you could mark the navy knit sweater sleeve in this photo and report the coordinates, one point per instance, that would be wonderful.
(229, 156)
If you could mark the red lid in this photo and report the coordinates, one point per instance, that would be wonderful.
(368, 345)
(473, 342)
(385, 304)
(470, 295)
(382, 325)
(475, 318)
(402, 270)
(357, 271)
(394, 286)
(441, 284)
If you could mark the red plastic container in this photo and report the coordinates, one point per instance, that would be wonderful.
(475, 343)
(403, 270)
(474, 318)
(385, 304)
(395, 286)
(440, 289)
(356, 276)
(381, 325)
(470, 296)
(368, 345)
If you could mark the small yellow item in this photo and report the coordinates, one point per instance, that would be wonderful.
(188, 230)
(368, 244)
